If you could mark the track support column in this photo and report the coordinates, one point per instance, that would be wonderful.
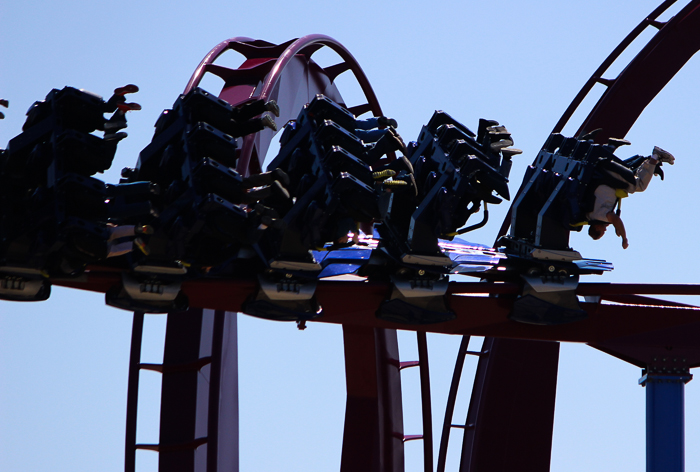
(665, 384)
(511, 413)
(373, 434)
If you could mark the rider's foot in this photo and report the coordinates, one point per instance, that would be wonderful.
(131, 88)
(273, 107)
(387, 122)
(663, 156)
(269, 122)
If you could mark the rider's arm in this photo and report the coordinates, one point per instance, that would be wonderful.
(619, 228)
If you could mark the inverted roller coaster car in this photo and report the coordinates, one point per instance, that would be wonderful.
(557, 190)
(56, 215)
(292, 225)
(333, 191)
(556, 194)
(454, 173)
(330, 180)
(207, 211)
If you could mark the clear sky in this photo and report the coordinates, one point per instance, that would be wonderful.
(63, 363)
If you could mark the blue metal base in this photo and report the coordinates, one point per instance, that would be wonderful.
(665, 420)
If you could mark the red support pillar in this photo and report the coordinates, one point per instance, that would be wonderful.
(373, 435)
(511, 414)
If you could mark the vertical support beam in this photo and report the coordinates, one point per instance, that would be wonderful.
(665, 420)
(214, 393)
(390, 401)
(450, 407)
(227, 437)
(178, 404)
(373, 434)
(360, 435)
(132, 394)
(511, 413)
(425, 401)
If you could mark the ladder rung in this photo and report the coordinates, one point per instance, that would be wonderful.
(461, 426)
(407, 364)
(656, 24)
(360, 109)
(309, 50)
(334, 71)
(259, 49)
(256, 72)
(173, 447)
(166, 369)
(476, 353)
(606, 82)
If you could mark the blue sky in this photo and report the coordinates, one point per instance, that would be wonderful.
(63, 363)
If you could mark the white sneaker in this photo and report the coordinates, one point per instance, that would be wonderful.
(663, 156)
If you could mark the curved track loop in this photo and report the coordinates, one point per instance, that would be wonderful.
(276, 72)
(646, 75)
(199, 432)
(497, 375)
(597, 77)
